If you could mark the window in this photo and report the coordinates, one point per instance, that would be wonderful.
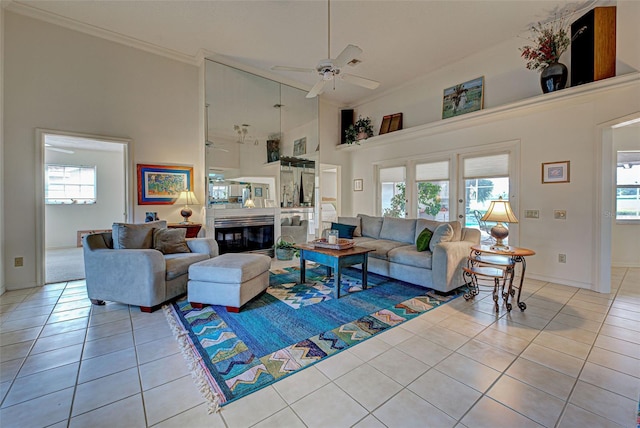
(70, 184)
(432, 190)
(628, 186)
(393, 191)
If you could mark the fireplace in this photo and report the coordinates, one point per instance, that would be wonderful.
(252, 234)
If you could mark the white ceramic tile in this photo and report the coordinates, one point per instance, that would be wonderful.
(424, 350)
(399, 366)
(490, 413)
(298, 385)
(39, 412)
(345, 411)
(284, 418)
(368, 386)
(619, 346)
(57, 341)
(611, 380)
(197, 416)
(395, 336)
(491, 356)
(369, 349)
(42, 383)
(152, 333)
(509, 343)
(541, 377)
(28, 313)
(576, 417)
(468, 371)
(69, 314)
(339, 364)
(615, 361)
(445, 393)
(605, 403)
(128, 412)
(406, 409)
(263, 404)
(20, 324)
(99, 317)
(563, 344)
(163, 370)
(107, 364)
(48, 360)
(160, 348)
(369, 421)
(14, 351)
(64, 326)
(9, 369)
(578, 322)
(577, 334)
(12, 337)
(108, 344)
(171, 398)
(555, 360)
(621, 333)
(533, 403)
(105, 390)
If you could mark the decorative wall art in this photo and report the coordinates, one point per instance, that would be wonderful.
(358, 185)
(390, 123)
(273, 150)
(463, 98)
(300, 146)
(161, 184)
(555, 172)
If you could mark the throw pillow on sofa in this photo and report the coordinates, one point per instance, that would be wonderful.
(286, 221)
(170, 241)
(295, 220)
(443, 233)
(422, 243)
(135, 236)
(344, 230)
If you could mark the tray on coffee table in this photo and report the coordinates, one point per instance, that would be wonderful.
(342, 244)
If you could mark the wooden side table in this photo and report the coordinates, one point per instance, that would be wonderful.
(497, 264)
(192, 228)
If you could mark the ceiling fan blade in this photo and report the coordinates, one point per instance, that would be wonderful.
(360, 81)
(349, 53)
(285, 68)
(317, 89)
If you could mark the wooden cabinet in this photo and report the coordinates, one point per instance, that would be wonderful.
(192, 228)
(593, 51)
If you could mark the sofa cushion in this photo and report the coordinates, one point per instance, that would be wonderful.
(421, 223)
(170, 241)
(344, 230)
(381, 247)
(352, 221)
(178, 264)
(422, 243)
(286, 221)
(398, 229)
(295, 220)
(371, 226)
(135, 236)
(408, 255)
(443, 233)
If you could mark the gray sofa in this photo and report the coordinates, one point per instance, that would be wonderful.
(396, 254)
(139, 274)
(295, 228)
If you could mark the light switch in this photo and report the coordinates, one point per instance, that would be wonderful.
(531, 214)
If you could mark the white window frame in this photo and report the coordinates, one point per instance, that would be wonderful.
(68, 199)
(624, 186)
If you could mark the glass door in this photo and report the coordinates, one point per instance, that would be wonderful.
(393, 191)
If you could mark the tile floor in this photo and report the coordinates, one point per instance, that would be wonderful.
(572, 359)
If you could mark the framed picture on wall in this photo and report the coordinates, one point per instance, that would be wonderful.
(358, 185)
(300, 146)
(463, 98)
(161, 184)
(555, 172)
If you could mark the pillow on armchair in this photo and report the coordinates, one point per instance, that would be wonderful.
(170, 241)
(135, 236)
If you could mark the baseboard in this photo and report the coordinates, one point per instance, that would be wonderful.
(561, 281)
(625, 265)
(21, 286)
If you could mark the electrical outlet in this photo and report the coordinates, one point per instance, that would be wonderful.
(531, 214)
(562, 258)
(560, 214)
(18, 262)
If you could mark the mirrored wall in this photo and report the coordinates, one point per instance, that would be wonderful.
(254, 125)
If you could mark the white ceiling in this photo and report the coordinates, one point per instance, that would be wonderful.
(401, 40)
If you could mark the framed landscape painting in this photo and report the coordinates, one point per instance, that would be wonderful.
(463, 98)
(161, 184)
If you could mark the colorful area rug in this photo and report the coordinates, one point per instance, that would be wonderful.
(289, 327)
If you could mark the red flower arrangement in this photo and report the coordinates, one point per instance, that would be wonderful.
(550, 40)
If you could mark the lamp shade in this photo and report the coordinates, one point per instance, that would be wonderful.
(249, 204)
(500, 211)
(187, 197)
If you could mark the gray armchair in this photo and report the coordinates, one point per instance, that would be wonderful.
(144, 276)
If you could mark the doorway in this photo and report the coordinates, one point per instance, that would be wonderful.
(84, 187)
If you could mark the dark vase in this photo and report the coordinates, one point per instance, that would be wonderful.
(553, 77)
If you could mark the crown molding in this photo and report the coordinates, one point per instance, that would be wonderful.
(72, 24)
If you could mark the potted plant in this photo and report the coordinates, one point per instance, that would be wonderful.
(285, 249)
(550, 41)
(361, 130)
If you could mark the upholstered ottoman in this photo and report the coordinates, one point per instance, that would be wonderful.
(229, 280)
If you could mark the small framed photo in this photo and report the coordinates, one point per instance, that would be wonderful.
(358, 185)
(257, 192)
(300, 146)
(463, 98)
(555, 172)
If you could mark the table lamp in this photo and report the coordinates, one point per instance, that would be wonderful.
(249, 203)
(187, 198)
(500, 211)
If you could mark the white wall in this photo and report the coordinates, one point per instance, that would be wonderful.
(56, 78)
(626, 237)
(63, 221)
(545, 132)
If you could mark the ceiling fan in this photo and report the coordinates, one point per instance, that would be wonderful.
(208, 142)
(329, 69)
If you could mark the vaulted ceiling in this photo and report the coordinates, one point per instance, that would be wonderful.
(401, 40)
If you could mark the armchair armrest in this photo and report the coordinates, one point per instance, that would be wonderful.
(448, 258)
(204, 246)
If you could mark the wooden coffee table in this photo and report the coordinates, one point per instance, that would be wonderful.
(334, 260)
